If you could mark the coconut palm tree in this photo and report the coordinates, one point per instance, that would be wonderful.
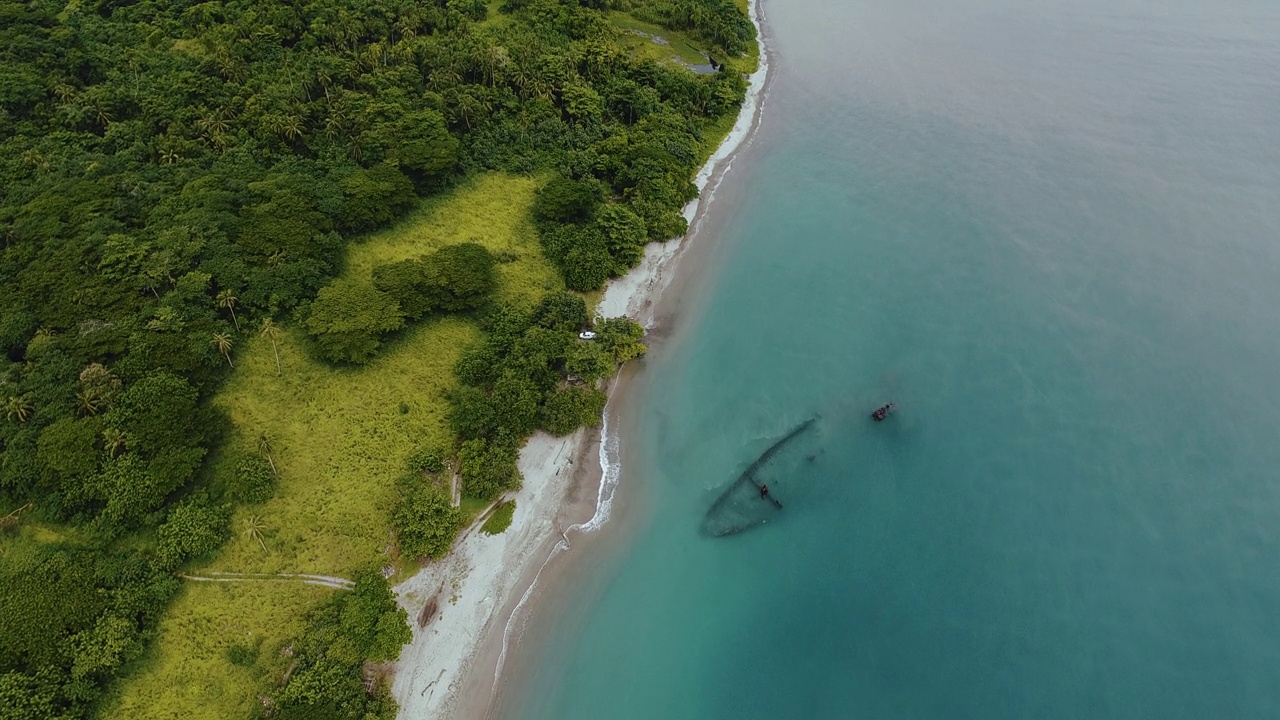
(228, 300)
(291, 127)
(18, 408)
(333, 125)
(222, 341)
(114, 441)
(271, 331)
(468, 106)
(255, 529)
(265, 447)
(88, 399)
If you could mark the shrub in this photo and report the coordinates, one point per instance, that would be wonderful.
(254, 481)
(424, 143)
(488, 468)
(515, 403)
(192, 531)
(501, 518)
(563, 200)
(562, 310)
(471, 414)
(455, 278)
(589, 361)
(406, 283)
(364, 624)
(587, 266)
(504, 324)
(426, 520)
(242, 655)
(348, 319)
(460, 277)
(427, 460)
(620, 337)
(68, 448)
(478, 365)
(624, 236)
(570, 408)
(375, 196)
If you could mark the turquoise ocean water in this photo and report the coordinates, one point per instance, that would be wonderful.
(1050, 231)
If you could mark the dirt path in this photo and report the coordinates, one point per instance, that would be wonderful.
(336, 583)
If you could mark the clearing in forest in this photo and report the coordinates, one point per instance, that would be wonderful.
(339, 437)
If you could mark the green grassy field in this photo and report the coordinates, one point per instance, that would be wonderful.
(339, 442)
(641, 38)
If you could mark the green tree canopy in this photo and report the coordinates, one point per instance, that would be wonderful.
(570, 408)
(426, 520)
(349, 318)
(193, 530)
(488, 467)
(565, 201)
(454, 278)
(460, 277)
(562, 311)
(407, 282)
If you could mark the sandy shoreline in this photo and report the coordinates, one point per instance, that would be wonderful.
(476, 598)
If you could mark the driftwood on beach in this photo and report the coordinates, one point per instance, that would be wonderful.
(741, 506)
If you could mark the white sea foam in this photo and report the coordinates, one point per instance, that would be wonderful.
(611, 471)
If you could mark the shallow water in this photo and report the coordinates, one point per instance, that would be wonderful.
(1051, 233)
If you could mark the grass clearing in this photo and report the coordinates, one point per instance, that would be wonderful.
(494, 17)
(187, 675)
(340, 440)
(654, 42)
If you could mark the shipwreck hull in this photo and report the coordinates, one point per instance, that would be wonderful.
(740, 507)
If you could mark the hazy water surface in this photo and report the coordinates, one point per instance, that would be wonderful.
(1051, 232)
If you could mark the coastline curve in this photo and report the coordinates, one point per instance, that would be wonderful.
(484, 573)
(634, 295)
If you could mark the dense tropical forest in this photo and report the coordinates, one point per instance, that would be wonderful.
(179, 179)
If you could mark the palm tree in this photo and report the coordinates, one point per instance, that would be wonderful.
(18, 408)
(264, 447)
(222, 341)
(101, 113)
(492, 61)
(212, 125)
(354, 149)
(88, 399)
(333, 125)
(255, 529)
(291, 127)
(468, 106)
(443, 78)
(114, 441)
(64, 91)
(228, 300)
(271, 331)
